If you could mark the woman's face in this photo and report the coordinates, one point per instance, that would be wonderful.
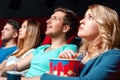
(22, 30)
(55, 24)
(88, 28)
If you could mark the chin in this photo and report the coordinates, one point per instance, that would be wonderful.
(47, 33)
(79, 34)
(20, 37)
(2, 38)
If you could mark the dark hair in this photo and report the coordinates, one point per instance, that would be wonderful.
(69, 19)
(14, 23)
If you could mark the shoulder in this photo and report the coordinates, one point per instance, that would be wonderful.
(41, 47)
(112, 55)
(13, 47)
(28, 52)
(70, 47)
(112, 52)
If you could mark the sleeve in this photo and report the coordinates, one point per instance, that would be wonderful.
(107, 69)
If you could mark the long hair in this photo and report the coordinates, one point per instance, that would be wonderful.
(32, 38)
(109, 31)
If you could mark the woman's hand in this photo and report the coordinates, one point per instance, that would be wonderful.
(67, 54)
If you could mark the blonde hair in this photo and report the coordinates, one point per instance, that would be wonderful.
(109, 31)
(32, 39)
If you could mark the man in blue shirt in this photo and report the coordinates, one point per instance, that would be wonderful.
(9, 36)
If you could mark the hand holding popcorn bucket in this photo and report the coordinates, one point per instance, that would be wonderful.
(65, 67)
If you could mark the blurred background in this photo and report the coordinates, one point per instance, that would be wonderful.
(42, 9)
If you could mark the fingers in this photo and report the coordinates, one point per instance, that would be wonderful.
(67, 54)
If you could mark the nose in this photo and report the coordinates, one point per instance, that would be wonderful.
(82, 21)
(2, 31)
(48, 20)
(19, 29)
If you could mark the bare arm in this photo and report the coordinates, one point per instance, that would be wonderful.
(25, 62)
(33, 78)
(3, 64)
(21, 65)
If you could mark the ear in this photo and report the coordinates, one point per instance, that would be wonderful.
(15, 35)
(66, 28)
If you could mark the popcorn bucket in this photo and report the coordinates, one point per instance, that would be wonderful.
(65, 67)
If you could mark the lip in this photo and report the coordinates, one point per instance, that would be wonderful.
(19, 32)
(48, 26)
(2, 34)
(80, 28)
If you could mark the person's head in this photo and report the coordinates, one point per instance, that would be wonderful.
(10, 31)
(99, 29)
(29, 36)
(62, 21)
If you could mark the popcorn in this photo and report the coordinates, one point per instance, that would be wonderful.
(61, 73)
(70, 72)
(55, 72)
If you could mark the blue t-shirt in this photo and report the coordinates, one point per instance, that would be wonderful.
(40, 61)
(5, 52)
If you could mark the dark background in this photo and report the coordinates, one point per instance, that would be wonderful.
(44, 8)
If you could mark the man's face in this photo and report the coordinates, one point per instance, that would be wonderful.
(7, 32)
(55, 24)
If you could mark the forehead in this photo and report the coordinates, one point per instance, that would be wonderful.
(24, 23)
(8, 26)
(59, 14)
(88, 12)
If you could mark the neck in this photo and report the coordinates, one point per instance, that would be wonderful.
(10, 43)
(58, 42)
(95, 42)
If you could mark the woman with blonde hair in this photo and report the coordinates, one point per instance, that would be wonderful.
(100, 50)
(28, 39)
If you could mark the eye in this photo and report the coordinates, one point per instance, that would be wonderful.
(5, 29)
(91, 18)
(55, 18)
(24, 26)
